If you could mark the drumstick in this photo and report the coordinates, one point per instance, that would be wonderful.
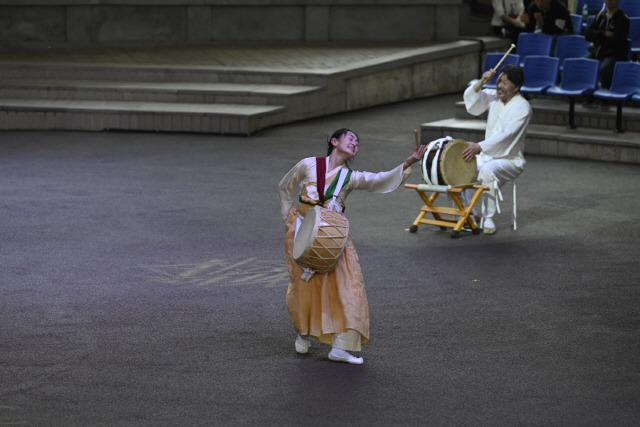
(415, 133)
(513, 46)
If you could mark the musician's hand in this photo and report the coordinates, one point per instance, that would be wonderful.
(416, 156)
(487, 76)
(524, 17)
(471, 151)
(539, 17)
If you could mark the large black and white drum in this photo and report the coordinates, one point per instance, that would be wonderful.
(443, 164)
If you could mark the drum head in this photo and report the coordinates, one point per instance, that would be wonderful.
(306, 234)
(455, 171)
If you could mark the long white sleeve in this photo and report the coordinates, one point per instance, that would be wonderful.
(289, 182)
(477, 103)
(381, 182)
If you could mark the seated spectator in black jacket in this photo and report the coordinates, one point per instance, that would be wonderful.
(549, 17)
(608, 34)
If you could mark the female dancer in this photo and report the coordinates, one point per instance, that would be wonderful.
(332, 307)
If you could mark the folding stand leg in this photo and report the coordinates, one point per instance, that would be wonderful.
(462, 213)
(428, 201)
(466, 218)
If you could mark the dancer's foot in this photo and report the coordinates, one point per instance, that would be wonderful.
(338, 355)
(303, 344)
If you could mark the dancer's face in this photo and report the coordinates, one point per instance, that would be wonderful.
(348, 144)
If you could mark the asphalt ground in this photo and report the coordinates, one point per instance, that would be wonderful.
(143, 284)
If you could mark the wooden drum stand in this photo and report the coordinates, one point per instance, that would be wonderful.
(461, 216)
(445, 171)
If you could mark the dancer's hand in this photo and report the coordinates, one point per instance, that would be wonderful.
(417, 155)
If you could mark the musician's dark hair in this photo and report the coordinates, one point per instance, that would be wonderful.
(337, 135)
(514, 73)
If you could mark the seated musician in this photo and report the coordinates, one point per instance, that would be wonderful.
(500, 155)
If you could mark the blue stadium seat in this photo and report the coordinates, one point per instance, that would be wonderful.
(594, 6)
(630, 7)
(580, 78)
(540, 73)
(490, 61)
(589, 21)
(576, 20)
(625, 84)
(572, 46)
(634, 36)
(533, 44)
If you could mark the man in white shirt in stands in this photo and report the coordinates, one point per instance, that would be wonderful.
(500, 156)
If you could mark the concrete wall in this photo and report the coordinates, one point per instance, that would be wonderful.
(81, 23)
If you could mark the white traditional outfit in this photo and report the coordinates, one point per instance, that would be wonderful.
(502, 157)
(332, 307)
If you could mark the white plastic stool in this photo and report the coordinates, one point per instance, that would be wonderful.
(515, 225)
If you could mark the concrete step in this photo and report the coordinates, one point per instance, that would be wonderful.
(84, 115)
(157, 73)
(154, 98)
(187, 92)
(549, 140)
(554, 111)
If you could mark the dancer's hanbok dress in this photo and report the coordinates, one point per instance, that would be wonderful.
(332, 307)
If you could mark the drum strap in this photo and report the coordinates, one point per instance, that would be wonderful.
(434, 164)
(432, 178)
(333, 204)
(321, 171)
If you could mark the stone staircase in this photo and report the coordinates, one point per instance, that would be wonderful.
(85, 96)
(226, 90)
(154, 98)
(594, 137)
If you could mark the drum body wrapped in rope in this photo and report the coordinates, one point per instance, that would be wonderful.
(443, 165)
(321, 239)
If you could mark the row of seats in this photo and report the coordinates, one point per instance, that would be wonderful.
(579, 78)
(568, 46)
(538, 44)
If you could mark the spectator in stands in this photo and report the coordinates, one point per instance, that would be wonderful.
(608, 35)
(506, 21)
(549, 17)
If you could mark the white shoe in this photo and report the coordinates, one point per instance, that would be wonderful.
(302, 344)
(338, 355)
(488, 227)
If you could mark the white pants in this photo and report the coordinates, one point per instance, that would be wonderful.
(494, 174)
(349, 340)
